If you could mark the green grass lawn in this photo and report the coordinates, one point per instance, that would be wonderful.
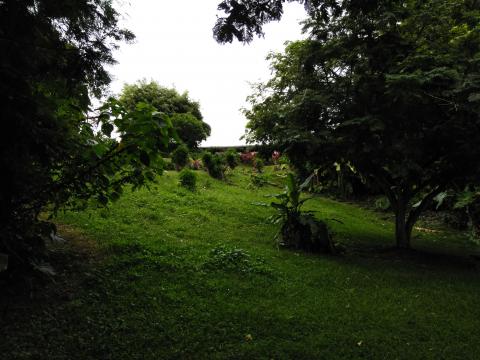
(171, 274)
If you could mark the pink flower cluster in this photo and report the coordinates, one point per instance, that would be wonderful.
(248, 157)
(196, 164)
(275, 156)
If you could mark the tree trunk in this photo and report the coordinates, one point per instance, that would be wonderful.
(406, 218)
(403, 231)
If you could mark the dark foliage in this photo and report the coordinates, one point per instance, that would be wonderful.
(188, 179)
(215, 165)
(258, 164)
(373, 89)
(51, 155)
(244, 18)
(232, 158)
(180, 156)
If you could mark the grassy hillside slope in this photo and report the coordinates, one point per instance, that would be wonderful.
(171, 274)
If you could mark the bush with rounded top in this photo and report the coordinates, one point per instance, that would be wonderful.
(188, 179)
(180, 156)
(214, 164)
(231, 156)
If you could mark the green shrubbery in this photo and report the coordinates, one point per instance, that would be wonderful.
(215, 165)
(232, 158)
(258, 164)
(258, 180)
(188, 179)
(169, 165)
(230, 259)
(180, 156)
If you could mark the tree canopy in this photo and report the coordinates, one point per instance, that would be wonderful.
(184, 113)
(388, 87)
(244, 18)
(190, 129)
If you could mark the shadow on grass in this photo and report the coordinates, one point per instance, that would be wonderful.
(416, 264)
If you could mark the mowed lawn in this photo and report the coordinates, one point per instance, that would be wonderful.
(171, 274)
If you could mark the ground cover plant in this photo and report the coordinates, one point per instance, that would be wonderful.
(168, 274)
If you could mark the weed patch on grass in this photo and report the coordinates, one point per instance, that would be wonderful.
(224, 258)
(127, 258)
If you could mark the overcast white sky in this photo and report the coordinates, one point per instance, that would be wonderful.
(175, 47)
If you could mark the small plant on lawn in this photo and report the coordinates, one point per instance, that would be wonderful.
(232, 158)
(299, 229)
(180, 156)
(467, 201)
(258, 164)
(382, 203)
(214, 164)
(233, 259)
(188, 179)
(258, 180)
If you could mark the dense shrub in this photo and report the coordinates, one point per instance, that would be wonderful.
(207, 159)
(283, 160)
(214, 164)
(457, 219)
(188, 179)
(258, 164)
(231, 157)
(180, 156)
(464, 207)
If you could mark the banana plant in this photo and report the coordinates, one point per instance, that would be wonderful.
(290, 200)
(299, 229)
